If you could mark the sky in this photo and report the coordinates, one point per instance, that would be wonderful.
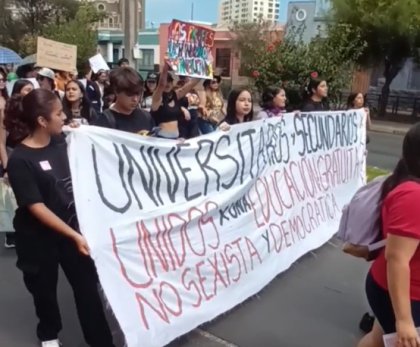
(163, 11)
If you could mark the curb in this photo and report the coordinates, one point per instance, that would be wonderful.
(385, 130)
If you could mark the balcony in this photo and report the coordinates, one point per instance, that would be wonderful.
(109, 26)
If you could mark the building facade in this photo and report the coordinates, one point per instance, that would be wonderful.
(227, 60)
(307, 18)
(111, 28)
(245, 11)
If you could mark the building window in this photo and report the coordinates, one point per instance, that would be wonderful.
(147, 59)
(223, 60)
(101, 7)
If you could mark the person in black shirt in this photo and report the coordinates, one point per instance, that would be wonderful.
(76, 104)
(315, 96)
(125, 113)
(46, 223)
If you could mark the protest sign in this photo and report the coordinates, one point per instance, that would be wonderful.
(181, 233)
(56, 55)
(190, 49)
(97, 63)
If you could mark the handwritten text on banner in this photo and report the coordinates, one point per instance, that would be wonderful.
(182, 233)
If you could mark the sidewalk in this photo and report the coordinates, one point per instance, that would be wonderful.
(381, 126)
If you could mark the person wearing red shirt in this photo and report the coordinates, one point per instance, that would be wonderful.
(393, 282)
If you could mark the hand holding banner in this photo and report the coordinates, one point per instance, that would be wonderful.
(184, 232)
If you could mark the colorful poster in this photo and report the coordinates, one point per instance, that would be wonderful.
(190, 49)
(181, 233)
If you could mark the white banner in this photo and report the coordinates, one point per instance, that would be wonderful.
(181, 233)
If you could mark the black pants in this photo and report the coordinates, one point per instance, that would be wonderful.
(80, 271)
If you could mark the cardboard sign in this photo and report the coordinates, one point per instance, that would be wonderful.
(190, 49)
(98, 63)
(182, 233)
(56, 55)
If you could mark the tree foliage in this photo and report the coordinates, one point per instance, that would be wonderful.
(391, 30)
(291, 62)
(79, 31)
(69, 21)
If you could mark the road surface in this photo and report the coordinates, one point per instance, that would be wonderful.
(318, 302)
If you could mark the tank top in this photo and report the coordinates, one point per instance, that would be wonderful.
(166, 113)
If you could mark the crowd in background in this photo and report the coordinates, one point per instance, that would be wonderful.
(34, 160)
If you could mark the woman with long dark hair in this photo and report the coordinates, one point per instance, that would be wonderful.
(240, 108)
(393, 282)
(273, 102)
(356, 101)
(76, 104)
(20, 88)
(149, 88)
(46, 225)
(315, 95)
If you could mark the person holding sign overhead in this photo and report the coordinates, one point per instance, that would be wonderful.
(166, 108)
(46, 222)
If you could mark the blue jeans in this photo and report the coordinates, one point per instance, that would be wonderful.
(205, 126)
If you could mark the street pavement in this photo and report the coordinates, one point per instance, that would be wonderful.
(317, 303)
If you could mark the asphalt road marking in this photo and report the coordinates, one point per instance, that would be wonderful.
(213, 338)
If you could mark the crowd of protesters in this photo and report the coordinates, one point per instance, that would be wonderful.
(34, 160)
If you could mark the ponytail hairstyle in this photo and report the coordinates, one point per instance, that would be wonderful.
(312, 85)
(408, 168)
(22, 112)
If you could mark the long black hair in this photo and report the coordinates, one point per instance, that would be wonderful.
(408, 167)
(85, 104)
(22, 112)
(19, 85)
(268, 95)
(352, 97)
(231, 107)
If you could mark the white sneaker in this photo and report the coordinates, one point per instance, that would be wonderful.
(51, 343)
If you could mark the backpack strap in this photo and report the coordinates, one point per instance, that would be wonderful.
(110, 118)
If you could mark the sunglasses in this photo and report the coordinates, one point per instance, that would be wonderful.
(214, 82)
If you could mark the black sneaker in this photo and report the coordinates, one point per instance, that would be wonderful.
(9, 241)
(366, 323)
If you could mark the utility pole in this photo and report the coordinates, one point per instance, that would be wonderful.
(131, 27)
(192, 11)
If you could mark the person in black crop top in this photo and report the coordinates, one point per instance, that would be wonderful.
(166, 108)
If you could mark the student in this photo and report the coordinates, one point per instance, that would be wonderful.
(393, 282)
(125, 113)
(151, 85)
(166, 108)
(46, 80)
(240, 108)
(273, 102)
(212, 112)
(20, 89)
(46, 222)
(76, 104)
(315, 96)
(123, 62)
(356, 101)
